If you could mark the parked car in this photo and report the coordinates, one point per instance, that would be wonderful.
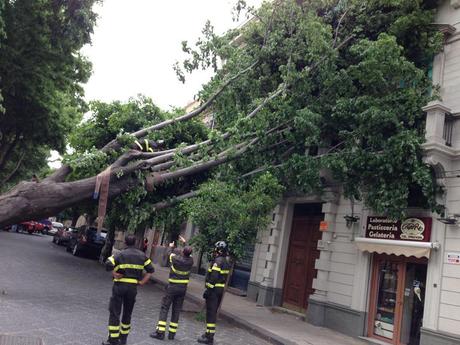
(63, 236)
(47, 225)
(87, 242)
(31, 226)
(55, 228)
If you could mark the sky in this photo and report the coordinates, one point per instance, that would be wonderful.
(136, 43)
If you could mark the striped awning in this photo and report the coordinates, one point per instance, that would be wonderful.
(393, 247)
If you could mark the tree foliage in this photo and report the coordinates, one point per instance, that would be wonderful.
(41, 72)
(308, 96)
(232, 211)
(356, 78)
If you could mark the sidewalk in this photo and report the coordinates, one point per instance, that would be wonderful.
(277, 328)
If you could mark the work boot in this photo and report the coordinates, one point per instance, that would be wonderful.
(111, 342)
(171, 336)
(157, 335)
(123, 339)
(206, 339)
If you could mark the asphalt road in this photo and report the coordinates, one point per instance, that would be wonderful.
(48, 293)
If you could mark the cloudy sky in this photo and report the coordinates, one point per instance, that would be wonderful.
(136, 42)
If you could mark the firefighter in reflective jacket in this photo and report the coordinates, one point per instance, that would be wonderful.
(127, 270)
(216, 278)
(145, 146)
(181, 263)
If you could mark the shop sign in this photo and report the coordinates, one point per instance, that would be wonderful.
(323, 225)
(410, 229)
(453, 258)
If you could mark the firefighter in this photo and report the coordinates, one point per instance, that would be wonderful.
(127, 270)
(145, 146)
(216, 277)
(181, 263)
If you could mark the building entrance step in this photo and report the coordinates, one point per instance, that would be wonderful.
(19, 340)
(373, 341)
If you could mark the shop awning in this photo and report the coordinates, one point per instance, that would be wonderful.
(406, 248)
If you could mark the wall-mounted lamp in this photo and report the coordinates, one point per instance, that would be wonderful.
(350, 220)
(450, 219)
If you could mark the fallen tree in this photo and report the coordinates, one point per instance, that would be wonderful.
(303, 88)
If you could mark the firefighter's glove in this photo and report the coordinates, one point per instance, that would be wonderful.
(205, 294)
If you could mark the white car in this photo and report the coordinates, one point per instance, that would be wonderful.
(55, 228)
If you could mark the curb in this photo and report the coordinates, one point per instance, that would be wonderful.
(258, 331)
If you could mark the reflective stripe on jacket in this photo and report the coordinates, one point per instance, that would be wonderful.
(217, 274)
(130, 262)
(180, 267)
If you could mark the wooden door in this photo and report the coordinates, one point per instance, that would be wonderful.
(387, 296)
(300, 266)
(386, 301)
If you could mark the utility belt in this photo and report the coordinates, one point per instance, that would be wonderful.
(178, 281)
(132, 281)
(217, 285)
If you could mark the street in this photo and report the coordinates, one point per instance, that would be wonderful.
(48, 293)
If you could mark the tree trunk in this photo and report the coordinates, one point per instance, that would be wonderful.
(139, 234)
(31, 200)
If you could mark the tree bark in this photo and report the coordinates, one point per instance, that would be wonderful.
(31, 200)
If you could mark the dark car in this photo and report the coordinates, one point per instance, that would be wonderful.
(87, 242)
(64, 235)
(46, 225)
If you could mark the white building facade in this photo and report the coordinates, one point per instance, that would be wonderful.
(352, 270)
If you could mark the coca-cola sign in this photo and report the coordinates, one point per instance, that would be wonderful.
(410, 229)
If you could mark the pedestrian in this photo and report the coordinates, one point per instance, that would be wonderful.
(127, 270)
(216, 278)
(181, 263)
(145, 245)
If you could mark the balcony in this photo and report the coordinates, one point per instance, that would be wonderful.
(441, 140)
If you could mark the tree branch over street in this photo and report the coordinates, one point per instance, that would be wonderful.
(297, 91)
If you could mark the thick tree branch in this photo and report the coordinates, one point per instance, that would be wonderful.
(7, 150)
(60, 174)
(15, 170)
(337, 29)
(174, 201)
(143, 132)
(113, 145)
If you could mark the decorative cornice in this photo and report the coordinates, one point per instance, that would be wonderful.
(446, 29)
(436, 105)
(440, 149)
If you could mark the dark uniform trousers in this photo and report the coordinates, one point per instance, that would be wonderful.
(174, 296)
(179, 277)
(131, 263)
(213, 300)
(215, 283)
(123, 298)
